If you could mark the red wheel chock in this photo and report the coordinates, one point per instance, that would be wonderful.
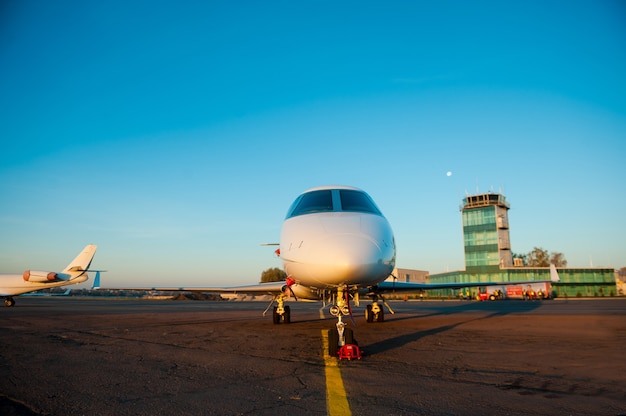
(349, 352)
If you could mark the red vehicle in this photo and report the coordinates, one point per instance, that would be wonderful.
(483, 294)
(541, 290)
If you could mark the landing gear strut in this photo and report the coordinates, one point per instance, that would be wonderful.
(375, 312)
(341, 335)
(280, 312)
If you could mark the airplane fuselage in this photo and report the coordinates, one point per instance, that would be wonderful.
(14, 284)
(336, 236)
(33, 280)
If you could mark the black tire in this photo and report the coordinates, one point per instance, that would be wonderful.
(287, 315)
(333, 342)
(9, 302)
(369, 315)
(348, 335)
(275, 316)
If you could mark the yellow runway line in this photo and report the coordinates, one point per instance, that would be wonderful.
(336, 398)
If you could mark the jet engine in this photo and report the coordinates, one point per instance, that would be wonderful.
(39, 276)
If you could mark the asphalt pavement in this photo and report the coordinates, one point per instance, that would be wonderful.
(86, 356)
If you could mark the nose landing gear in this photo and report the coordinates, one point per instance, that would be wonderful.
(341, 342)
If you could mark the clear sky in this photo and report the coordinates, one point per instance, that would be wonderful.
(175, 135)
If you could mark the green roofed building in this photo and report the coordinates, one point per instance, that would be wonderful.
(488, 256)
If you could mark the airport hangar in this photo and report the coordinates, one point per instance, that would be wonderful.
(488, 257)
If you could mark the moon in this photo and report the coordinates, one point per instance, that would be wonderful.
(448, 173)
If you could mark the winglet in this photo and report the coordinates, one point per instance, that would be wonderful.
(554, 275)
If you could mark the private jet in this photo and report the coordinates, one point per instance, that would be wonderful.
(32, 280)
(336, 247)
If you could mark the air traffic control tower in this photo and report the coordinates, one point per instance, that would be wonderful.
(488, 256)
(486, 233)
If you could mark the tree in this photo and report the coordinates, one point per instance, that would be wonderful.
(273, 274)
(558, 259)
(540, 257)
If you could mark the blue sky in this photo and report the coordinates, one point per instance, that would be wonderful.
(175, 135)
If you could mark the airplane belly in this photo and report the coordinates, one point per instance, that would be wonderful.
(320, 275)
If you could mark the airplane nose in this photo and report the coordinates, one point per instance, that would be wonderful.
(352, 249)
(352, 257)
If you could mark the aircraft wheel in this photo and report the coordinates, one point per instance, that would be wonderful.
(287, 315)
(381, 316)
(276, 316)
(369, 315)
(348, 335)
(333, 342)
(9, 302)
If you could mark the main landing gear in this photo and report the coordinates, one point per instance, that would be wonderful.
(375, 312)
(8, 301)
(281, 313)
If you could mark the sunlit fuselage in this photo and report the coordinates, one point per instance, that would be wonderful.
(346, 243)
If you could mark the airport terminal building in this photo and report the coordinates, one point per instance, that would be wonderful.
(488, 256)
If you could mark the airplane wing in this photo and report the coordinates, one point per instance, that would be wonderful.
(269, 288)
(387, 286)
(391, 286)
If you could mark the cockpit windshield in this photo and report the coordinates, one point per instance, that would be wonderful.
(357, 201)
(315, 201)
(333, 200)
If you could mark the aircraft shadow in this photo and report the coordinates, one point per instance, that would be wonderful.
(498, 308)
(402, 340)
(417, 312)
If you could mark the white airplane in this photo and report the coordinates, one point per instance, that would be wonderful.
(33, 280)
(336, 246)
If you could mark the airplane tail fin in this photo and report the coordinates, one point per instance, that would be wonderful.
(96, 281)
(81, 263)
(554, 275)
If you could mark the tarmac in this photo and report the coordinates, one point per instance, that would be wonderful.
(87, 356)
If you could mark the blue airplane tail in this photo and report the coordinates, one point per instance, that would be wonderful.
(96, 281)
